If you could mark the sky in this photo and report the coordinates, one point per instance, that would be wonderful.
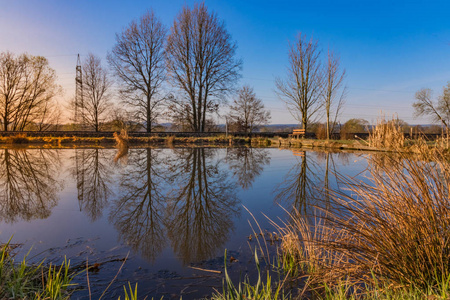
(389, 49)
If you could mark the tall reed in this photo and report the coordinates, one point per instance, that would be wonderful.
(387, 135)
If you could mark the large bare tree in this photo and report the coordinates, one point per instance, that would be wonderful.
(334, 94)
(426, 106)
(138, 62)
(27, 85)
(302, 88)
(96, 100)
(247, 111)
(201, 63)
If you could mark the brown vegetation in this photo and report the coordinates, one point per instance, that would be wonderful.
(391, 228)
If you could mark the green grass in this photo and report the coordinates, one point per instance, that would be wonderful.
(22, 280)
(265, 288)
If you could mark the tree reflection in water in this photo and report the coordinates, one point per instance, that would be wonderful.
(139, 213)
(307, 183)
(93, 175)
(200, 206)
(28, 188)
(247, 164)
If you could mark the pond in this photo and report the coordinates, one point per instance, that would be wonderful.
(159, 217)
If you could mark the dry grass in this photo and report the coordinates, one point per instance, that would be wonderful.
(393, 227)
(387, 135)
(170, 140)
(121, 139)
(20, 138)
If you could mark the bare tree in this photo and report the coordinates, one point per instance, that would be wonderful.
(247, 112)
(27, 85)
(301, 91)
(138, 62)
(333, 95)
(425, 106)
(95, 92)
(201, 63)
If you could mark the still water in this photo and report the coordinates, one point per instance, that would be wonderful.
(168, 213)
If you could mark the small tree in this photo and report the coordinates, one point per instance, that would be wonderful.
(247, 112)
(426, 106)
(301, 91)
(95, 92)
(137, 60)
(333, 96)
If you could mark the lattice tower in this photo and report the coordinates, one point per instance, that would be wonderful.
(79, 103)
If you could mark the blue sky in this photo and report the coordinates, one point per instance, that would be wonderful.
(390, 49)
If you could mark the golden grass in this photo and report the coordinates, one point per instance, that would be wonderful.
(387, 135)
(392, 227)
(121, 139)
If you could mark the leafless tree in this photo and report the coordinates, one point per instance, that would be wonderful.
(426, 106)
(247, 112)
(27, 85)
(138, 62)
(201, 63)
(334, 95)
(96, 84)
(302, 89)
(49, 117)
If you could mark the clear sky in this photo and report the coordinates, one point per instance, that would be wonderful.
(390, 49)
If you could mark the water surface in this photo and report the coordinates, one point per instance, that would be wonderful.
(167, 211)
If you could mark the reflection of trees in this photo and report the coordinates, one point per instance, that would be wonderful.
(298, 186)
(92, 172)
(27, 184)
(138, 213)
(309, 181)
(201, 207)
(247, 164)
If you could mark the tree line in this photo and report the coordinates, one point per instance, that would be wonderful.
(184, 75)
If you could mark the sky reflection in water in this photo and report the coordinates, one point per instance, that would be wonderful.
(170, 209)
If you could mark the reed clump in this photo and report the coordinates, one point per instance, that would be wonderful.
(390, 231)
(122, 139)
(387, 135)
(170, 141)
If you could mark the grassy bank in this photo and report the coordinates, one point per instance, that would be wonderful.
(24, 140)
(386, 136)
